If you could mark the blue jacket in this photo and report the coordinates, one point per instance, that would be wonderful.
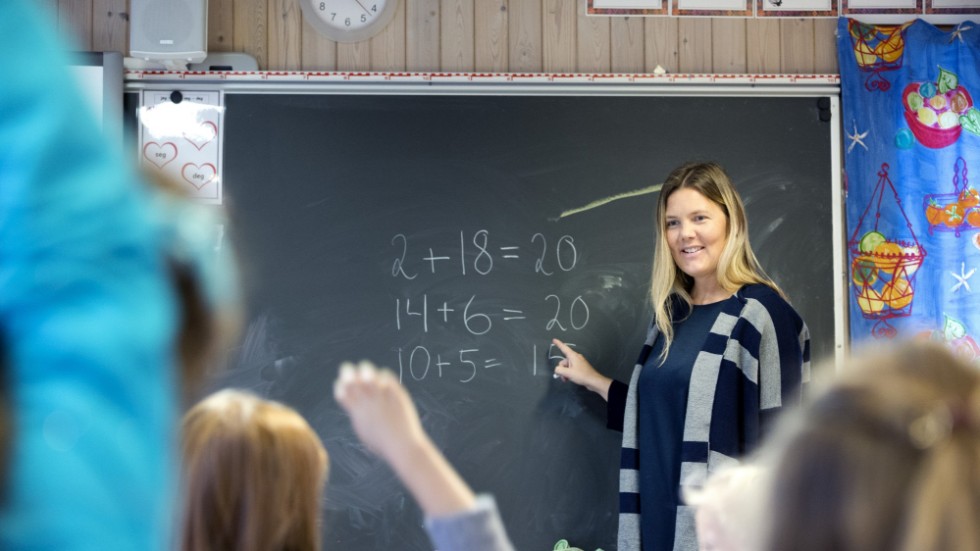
(86, 313)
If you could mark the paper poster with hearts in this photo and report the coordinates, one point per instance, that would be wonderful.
(181, 136)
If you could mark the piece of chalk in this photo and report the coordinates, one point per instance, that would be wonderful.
(554, 375)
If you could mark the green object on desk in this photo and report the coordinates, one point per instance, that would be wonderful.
(562, 545)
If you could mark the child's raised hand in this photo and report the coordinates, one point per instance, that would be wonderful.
(380, 409)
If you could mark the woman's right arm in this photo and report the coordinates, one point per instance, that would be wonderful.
(575, 368)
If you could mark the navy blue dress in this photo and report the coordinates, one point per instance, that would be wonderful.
(662, 407)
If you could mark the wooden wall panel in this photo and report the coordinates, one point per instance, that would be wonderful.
(456, 36)
(110, 26)
(422, 35)
(660, 44)
(285, 35)
(593, 42)
(728, 48)
(626, 44)
(490, 36)
(796, 46)
(559, 20)
(524, 30)
(318, 52)
(250, 30)
(520, 36)
(825, 57)
(221, 25)
(354, 56)
(388, 47)
(762, 46)
(694, 54)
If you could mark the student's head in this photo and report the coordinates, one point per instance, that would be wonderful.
(253, 475)
(887, 457)
(727, 509)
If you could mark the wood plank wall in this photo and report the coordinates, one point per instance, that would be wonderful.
(552, 36)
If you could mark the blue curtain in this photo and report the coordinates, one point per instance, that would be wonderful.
(912, 160)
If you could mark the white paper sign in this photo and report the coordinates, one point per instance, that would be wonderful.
(183, 139)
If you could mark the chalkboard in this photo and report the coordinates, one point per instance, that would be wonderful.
(426, 233)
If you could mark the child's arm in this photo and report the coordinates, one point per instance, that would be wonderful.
(386, 420)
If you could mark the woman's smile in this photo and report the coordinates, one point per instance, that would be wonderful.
(696, 231)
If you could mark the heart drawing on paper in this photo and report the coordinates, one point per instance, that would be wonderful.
(159, 154)
(199, 175)
(202, 135)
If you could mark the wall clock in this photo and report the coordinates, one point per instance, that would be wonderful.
(348, 20)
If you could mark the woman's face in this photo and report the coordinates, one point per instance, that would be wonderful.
(696, 230)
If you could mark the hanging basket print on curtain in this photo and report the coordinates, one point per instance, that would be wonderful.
(958, 211)
(883, 266)
(877, 49)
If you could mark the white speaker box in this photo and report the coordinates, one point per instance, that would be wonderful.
(168, 30)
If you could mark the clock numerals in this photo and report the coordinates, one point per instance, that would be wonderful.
(349, 20)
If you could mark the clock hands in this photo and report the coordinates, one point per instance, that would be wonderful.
(362, 7)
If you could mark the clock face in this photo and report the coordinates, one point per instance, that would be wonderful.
(348, 20)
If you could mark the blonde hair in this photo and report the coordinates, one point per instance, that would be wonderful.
(737, 266)
(886, 458)
(253, 474)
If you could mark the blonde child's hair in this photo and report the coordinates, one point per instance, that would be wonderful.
(253, 475)
(886, 457)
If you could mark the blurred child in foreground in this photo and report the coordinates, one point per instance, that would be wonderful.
(97, 272)
(886, 457)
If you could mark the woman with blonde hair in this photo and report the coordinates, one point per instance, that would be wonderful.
(253, 475)
(724, 354)
(884, 458)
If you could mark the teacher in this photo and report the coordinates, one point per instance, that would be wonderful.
(724, 354)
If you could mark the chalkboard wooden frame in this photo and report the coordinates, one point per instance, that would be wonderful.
(486, 396)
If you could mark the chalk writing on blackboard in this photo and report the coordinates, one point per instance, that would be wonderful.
(479, 322)
(477, 254)
(563, 255)
(419, 363)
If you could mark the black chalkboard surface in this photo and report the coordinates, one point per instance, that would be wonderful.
(425, 232)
